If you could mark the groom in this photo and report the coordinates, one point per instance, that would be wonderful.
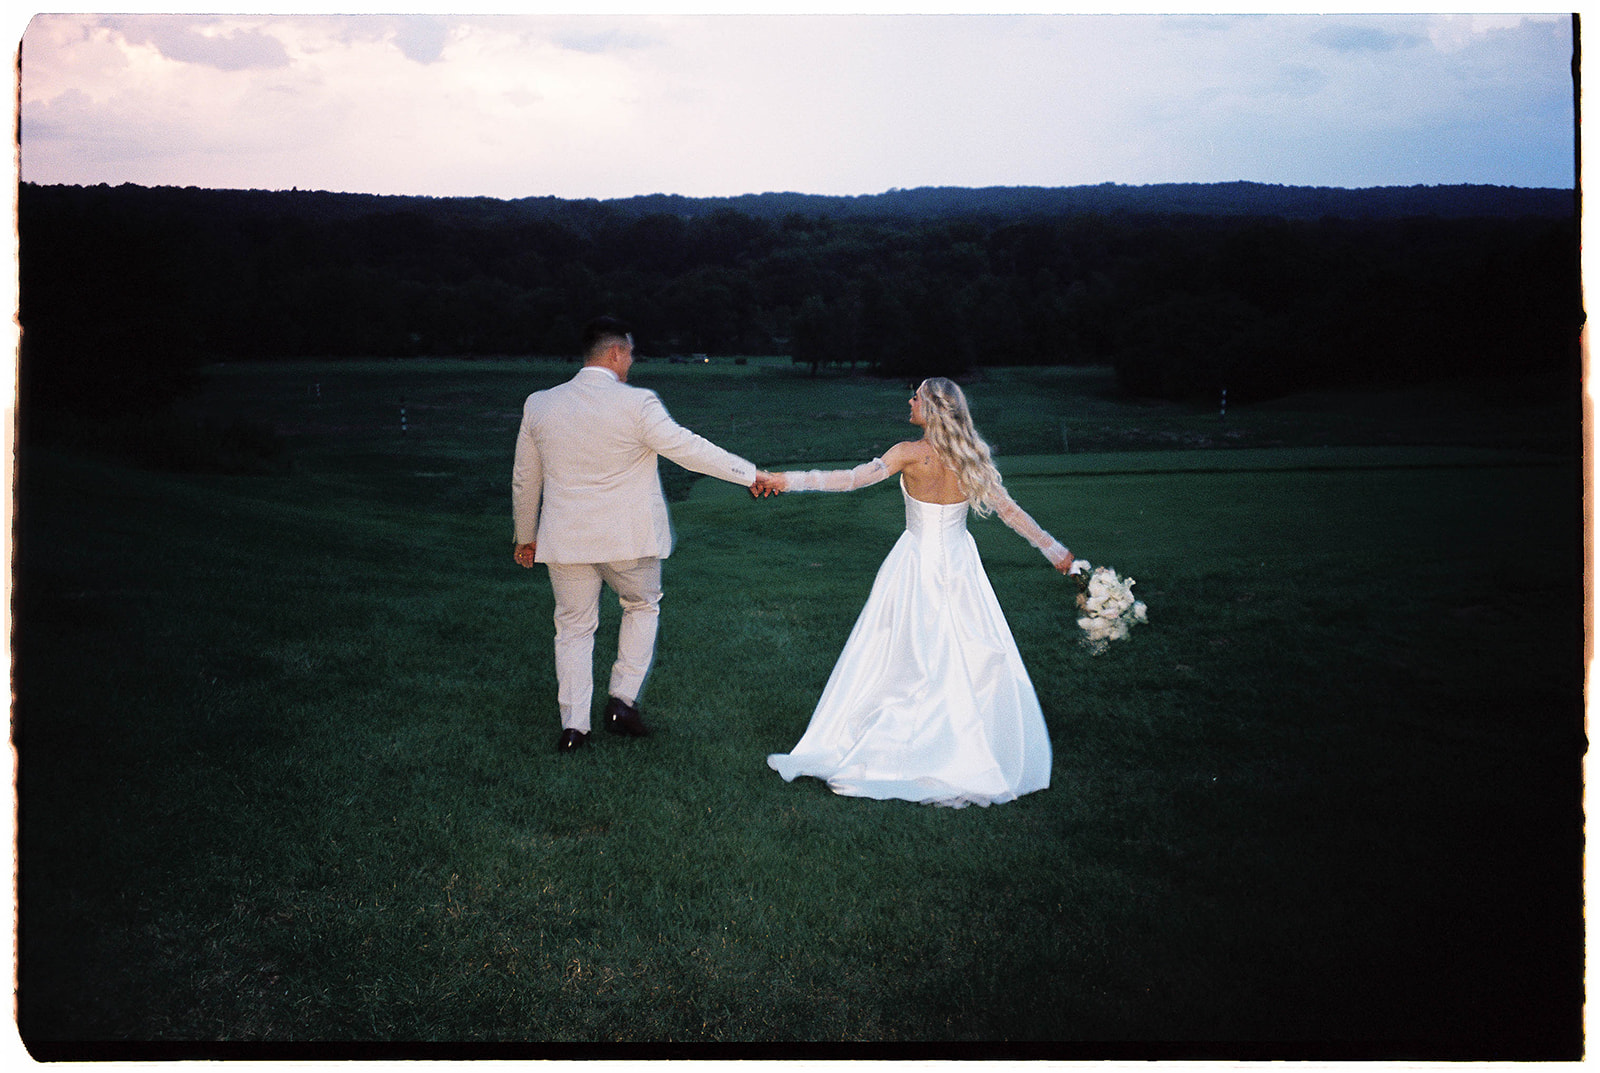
(587, 502)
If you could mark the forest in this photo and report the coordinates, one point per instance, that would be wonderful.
(1185, 290)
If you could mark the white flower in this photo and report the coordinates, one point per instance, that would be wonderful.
(1108, 606)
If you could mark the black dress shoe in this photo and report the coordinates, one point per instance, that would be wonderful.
(623, 718)
(570, 739)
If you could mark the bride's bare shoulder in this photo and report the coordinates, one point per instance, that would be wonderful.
(907, 453)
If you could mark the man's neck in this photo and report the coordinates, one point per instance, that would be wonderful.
(602, 368)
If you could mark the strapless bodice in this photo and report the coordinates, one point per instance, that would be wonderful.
(933, 522)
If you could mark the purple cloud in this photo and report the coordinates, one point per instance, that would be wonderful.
(421, 38)
(176, 39)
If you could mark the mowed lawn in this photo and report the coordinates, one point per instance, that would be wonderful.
(287, 770)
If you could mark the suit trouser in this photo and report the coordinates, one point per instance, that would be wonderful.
(576, 587)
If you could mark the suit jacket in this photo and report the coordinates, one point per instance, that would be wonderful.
(584, 484)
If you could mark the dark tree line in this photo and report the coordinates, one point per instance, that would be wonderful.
(124, 291)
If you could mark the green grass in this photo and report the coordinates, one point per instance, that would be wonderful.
(287, 766)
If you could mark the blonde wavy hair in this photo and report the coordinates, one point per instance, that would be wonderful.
(947, 426)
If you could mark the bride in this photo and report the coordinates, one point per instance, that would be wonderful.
(929, 700)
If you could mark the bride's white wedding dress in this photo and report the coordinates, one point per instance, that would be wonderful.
(929, 700)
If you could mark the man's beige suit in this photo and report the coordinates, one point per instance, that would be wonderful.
(585, 490)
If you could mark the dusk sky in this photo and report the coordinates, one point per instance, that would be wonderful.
(613, 106)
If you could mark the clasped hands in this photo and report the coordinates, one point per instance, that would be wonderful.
(768, 484)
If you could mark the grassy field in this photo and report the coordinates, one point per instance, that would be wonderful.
(287, 770)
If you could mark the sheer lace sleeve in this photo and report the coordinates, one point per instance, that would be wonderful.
(1018, 519)
(837, 480)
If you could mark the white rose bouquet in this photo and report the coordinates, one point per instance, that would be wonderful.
(1107, 609)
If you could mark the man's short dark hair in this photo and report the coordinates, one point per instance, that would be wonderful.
(601, 332)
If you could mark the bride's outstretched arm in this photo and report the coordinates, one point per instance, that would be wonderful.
(881, 468)
(833, 480)
(1030, 530)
